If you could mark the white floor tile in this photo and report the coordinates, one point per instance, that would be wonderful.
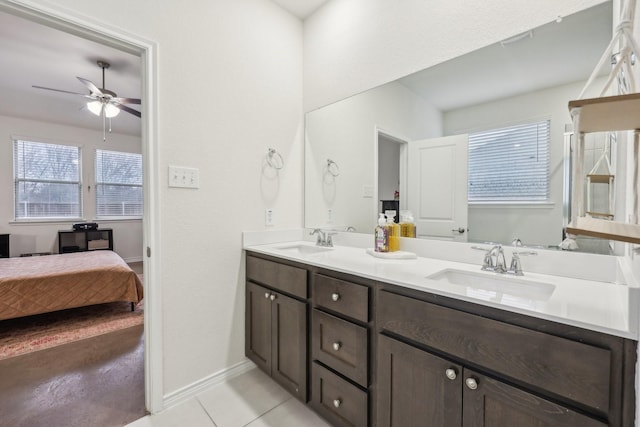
(291, 413)
(189, 414)
(237, 402)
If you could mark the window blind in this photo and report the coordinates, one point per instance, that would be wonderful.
(118, 184)
(46, 180)
(510, 164)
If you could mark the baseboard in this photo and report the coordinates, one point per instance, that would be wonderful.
(185, 393)
(133, 259)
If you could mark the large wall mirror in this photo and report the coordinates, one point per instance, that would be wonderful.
(362, 150)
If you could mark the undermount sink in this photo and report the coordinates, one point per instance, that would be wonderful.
(496, 283)
(304, 249)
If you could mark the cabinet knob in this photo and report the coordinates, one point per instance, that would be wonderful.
(337, 403)
(335, 296)
(472, 383)
(337, 345)
(266, 294)
(451, 373)
(272, 297)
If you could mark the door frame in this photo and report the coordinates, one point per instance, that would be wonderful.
(404, 158)
(87, 28)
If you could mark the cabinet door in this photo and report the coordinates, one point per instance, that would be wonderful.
(289, 344)
(416, 388)
(258, 326)
(491, 403)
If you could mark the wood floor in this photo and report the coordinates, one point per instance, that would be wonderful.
(96, 382)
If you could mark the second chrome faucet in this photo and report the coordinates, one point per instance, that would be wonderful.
(495, 261)
(323, 237)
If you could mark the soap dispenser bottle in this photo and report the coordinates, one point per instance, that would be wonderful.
(407, 226)
(382, 235)
(394, 232)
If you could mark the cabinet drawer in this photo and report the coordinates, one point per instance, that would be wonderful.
(339, 401)
(285, 278)
(563, 368)
(341, 345)
(341, 297)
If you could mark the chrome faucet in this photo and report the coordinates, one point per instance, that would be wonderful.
(495, 261)
(516, 267)
(500, 264)
(323, 237)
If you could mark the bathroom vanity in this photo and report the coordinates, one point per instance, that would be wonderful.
(370, 342)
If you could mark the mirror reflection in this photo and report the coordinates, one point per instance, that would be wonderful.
(410, 143)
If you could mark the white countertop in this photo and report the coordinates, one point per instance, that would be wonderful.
(595, 305)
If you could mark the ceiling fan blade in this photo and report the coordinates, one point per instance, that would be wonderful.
(64, 91)
(127, 109)
(89, 84)
(126, 100)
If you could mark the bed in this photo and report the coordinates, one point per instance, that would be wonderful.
(34, 285)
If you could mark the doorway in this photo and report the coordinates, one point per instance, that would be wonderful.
(391, 169)
(146, 51)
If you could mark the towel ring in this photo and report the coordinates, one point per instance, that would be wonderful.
(274, 159)
(333, 168)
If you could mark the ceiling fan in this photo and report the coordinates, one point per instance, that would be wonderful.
(103, 102)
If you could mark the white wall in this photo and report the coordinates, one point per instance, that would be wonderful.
(43, 237)
(533, 224)
(346, 133)
(353, 45)
(229, 87)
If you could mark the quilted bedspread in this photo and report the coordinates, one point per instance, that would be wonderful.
(33, 285)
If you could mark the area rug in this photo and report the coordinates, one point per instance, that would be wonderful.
(33, 333)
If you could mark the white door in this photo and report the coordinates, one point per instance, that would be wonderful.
(437, 187)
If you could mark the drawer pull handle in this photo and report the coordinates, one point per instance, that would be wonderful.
(451, 373)
(335, 296)
(272, 297)
(266, 295)
(472, 383)
(337, 345)
(337, 403)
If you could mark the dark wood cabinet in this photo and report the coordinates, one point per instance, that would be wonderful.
(441, 363)
(493, 403)
(416, 388)
(258, 340)
(276, 324)
(337, 400)
(340, 345)
(340, 349)
(85, 240)
(381, 355)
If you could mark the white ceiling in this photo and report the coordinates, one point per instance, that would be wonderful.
(301, 8)
(34, 54)
(557, 54)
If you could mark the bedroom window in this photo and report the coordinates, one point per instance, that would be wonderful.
(510, 164)
(46, 180)
(118, 184)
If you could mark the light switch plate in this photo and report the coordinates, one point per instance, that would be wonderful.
(367, 191)
(183, 177)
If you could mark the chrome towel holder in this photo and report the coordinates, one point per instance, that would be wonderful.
(333, 168)
(274, 159)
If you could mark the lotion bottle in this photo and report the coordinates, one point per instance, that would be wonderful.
(407, 227)
(382, 235)
(394, 232)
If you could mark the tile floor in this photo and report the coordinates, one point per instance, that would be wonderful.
(248, 400)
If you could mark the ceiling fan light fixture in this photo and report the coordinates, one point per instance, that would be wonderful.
(95, 107)
(111, 110)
